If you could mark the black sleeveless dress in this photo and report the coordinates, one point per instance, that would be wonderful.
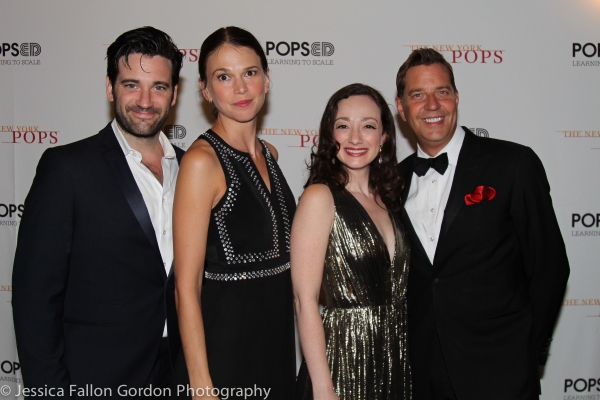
(247, 303)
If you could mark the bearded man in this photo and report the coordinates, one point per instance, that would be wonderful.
(95, 247)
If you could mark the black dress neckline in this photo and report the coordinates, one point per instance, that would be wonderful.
(265, 151)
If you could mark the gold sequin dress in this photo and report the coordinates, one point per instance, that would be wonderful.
(364, 294)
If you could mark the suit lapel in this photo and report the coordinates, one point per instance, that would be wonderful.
(179, 154)
(114, 157)
(406, 171)
(470, 164)
(416, 242)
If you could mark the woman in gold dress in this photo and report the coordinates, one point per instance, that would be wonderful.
(349, 253)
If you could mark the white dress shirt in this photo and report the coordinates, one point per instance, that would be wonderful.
(158, 197)
(428, 195)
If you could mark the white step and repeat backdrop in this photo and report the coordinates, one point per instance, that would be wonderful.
(526, 71)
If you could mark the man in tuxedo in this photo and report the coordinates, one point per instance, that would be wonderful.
(95, 243)
(488, 263)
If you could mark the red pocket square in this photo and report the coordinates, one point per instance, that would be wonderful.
(481, 193)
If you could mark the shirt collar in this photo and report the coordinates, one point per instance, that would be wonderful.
(452, 147)
(168, 151)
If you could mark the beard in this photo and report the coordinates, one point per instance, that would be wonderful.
(139, 130)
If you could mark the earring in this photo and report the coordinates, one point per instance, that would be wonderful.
(210, 101)
(333, 160)
(380, 154)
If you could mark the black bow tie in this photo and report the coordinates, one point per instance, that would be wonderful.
(439, 163)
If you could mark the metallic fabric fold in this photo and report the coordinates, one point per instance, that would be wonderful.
(364, 318)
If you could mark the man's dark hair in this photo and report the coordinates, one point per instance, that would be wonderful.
(422, 57)
(147, 41)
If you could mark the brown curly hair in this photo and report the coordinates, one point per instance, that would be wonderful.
(384, 178)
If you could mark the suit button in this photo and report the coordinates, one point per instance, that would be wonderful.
(436, 280)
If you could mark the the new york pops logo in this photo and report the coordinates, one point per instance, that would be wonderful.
(190, 55)
(304, 138)
(27, 134)
(464, 53)
(307, 138)
(581, 134)
(590, 305)
(591, 135)
(5, 288)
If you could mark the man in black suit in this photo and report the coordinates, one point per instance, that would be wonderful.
(488, 263)
(95, 246)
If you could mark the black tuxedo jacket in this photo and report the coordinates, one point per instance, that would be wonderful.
(88, 278)
(496, 284)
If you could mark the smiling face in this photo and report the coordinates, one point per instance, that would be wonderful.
(429, 106)
(235, 82)
(142, 95)
(358, 130)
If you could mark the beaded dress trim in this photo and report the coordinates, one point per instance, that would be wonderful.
(227, 156)
(236, 276)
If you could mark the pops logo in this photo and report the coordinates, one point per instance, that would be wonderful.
(465, 53)
(481, 132)
(588, 49)
(588, 220)
(585, 224)
(174, 131)
(20, 49)
(583, 384)
(10, 367)
(190, 54)
(11, 210)
(305, 49)
(475, 54)
(307, 138)
(27, 135)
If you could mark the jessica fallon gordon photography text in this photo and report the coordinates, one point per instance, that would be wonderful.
(126, 391)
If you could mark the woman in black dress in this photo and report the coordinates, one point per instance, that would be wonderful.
(232, 219)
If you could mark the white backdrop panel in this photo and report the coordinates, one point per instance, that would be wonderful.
(529, 90)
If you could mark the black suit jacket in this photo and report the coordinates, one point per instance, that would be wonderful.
(88, 279)
(495, 288)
